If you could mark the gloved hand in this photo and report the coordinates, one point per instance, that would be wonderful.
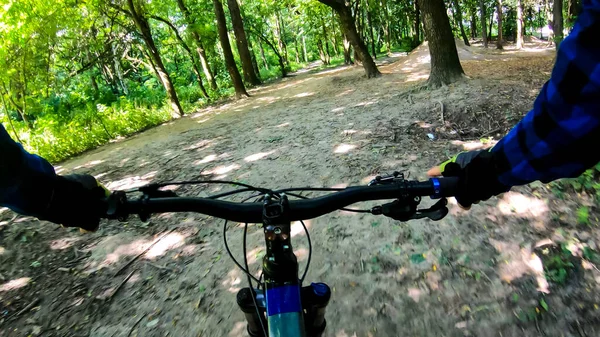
(77, 201)
(478, 176)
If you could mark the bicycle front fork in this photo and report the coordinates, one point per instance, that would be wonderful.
(315, 298)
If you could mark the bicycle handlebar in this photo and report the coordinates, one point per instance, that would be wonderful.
(298, 209)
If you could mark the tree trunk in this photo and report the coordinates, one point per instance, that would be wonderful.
(117, 67)
(371, 35)
(491, 26)
(199, 46)
(262, 55)
(279, 31)
(386, 16)
(500, 14)
(326, 46)
(473, 22)
(445, 64)
(142, 24)
(188, 51)
(417, 23)
(254, 60)
(483, 23)
(459, 18)
(236, 79)
(297, 50)
(322, 54)
(349, 29)
(347, 57)
(242, 43)
(519, 24)
(277, 53)
(572, 12)
(304, 49)
(557, 22)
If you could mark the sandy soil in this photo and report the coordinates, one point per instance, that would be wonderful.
(476, 273)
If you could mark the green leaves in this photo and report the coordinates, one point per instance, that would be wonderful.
(417, 258)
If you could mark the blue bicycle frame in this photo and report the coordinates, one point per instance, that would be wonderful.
(291, 310)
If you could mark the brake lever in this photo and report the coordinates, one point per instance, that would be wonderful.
(152, 191)
(436, 212)
(404, 211)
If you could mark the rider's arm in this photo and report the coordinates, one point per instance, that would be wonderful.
(559, 138)
(26, 180)
(29, 185)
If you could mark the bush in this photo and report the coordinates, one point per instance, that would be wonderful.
(57, 138)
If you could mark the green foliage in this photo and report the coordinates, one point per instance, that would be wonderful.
(583, 215)
(417, 258)
(89, 128)
(588, 182)
(557, 264)
(78, 74)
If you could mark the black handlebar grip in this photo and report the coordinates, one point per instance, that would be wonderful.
(446, 187)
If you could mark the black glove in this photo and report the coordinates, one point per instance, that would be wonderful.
(77, 201)
(478, 176)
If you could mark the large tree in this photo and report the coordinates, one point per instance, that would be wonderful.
(141, 21)
(191, 27)
(557, 22)
(519, 24)
(483, 16)
(242, 43)
(459, 18)
(344, 11)
(236, 78)
(445, 64)
(500, 15)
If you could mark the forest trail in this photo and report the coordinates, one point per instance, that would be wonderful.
(473, 273)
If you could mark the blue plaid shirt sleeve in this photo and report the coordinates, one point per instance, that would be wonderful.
(25, 179)
(559, 138)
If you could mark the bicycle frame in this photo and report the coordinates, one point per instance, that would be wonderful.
(282, 287)
(287, 304)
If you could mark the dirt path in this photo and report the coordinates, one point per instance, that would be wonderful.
(471, 274)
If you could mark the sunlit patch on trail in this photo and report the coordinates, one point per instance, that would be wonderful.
(233, 281)
(2, 250)
(239, 330)
(344, 148)
(337, 109)
(115, 253)
(340, 185)
(205, 160)
(89, 164)
(63, 243)
(131, 182)
(255, 255)
(169, 242)
(220, 170)
(304, 94)
(419, 76)
(283, 125)
(517, 261)
(297, 228)
(514, 203)
(201, 144)
(474, 145)
(258, 156)
(301, 254)
(15, 284)
(365, 103)
(345, 92)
